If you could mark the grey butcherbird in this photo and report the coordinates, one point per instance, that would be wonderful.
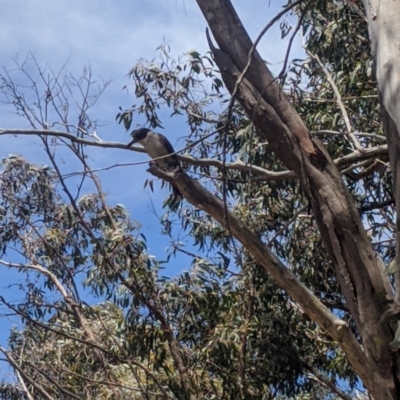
(159, 148)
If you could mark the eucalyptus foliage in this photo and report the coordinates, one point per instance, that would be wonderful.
(222, 328)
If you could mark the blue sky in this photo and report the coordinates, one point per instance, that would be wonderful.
(111, 36)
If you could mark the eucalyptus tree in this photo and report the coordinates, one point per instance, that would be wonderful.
(288, 195)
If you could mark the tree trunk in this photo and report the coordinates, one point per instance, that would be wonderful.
(342, 232)
(384, 32)
(332, 325)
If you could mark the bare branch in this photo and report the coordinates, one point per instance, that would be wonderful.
(15, 365)
(203, 199)
(360, 134)
(262, 173)
(22, 383)
(328, 383)
(85, 342)
(288, 223)
(346, 118)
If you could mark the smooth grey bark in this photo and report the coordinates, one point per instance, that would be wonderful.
(384, 32)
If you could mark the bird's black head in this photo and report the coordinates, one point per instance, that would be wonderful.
(138, 134)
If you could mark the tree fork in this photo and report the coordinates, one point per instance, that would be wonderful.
(343, 234)
(339, 330)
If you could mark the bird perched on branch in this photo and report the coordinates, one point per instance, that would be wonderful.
(160, 150)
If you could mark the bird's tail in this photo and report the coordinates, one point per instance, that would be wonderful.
(177, 194)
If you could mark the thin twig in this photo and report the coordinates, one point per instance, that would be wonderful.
(327, 382)
(22, 383)
(339, 101)
(80, 340)
(106, 382)
(16, 366)
(289, 47)
(255, 44)
(361, 134)
(288, 223)
(49, 378)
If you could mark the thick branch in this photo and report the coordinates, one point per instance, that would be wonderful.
(384, 33)
(340, 225)
(338, 329)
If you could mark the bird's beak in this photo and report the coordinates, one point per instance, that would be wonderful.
(133, 141)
